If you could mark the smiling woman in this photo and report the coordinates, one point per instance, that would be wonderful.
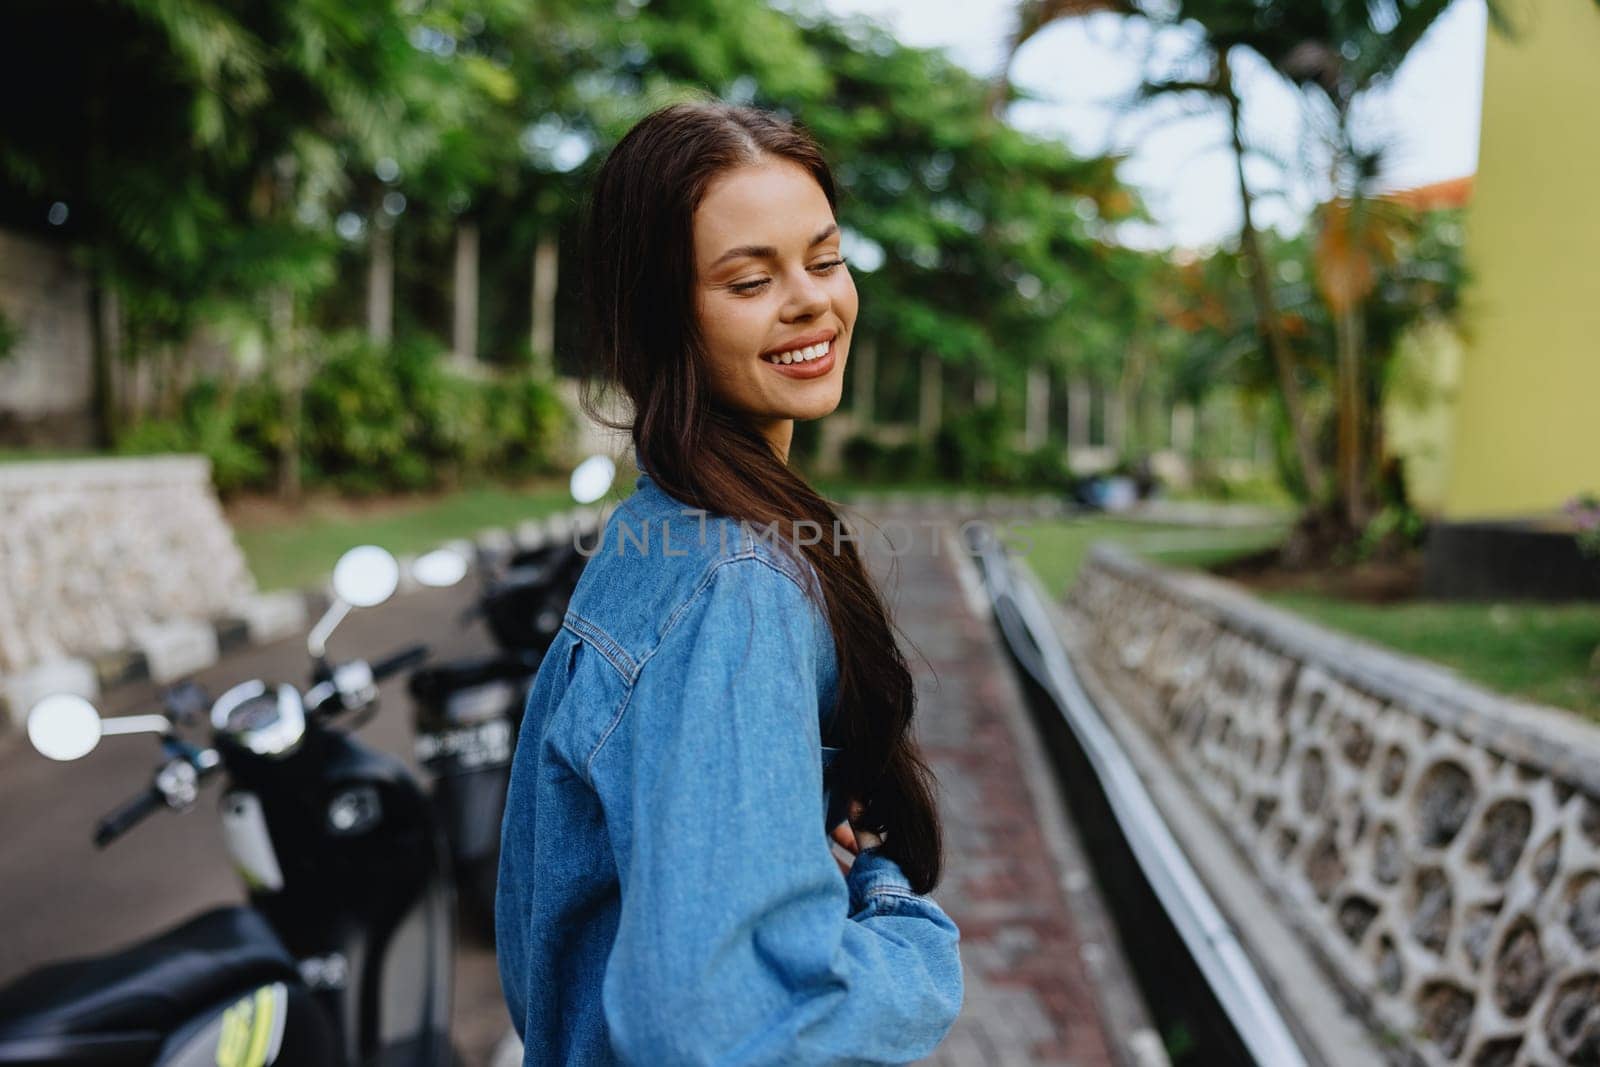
(785, 305)
(669, 890)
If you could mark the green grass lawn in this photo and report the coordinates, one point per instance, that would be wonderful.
(1538, 652)
(35, 455)
(1060, 546)
(289, 550)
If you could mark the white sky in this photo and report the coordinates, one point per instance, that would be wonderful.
(1081, 69)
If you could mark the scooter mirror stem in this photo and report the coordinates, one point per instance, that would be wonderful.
(317, 639)
(136, 724)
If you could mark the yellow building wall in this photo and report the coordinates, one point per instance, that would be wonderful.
(1527, 433)
(1419, 409)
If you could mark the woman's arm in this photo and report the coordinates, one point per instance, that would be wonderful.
(739, 941)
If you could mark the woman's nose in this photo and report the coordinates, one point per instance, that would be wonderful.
(809, 297)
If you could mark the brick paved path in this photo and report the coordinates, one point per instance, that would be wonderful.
(1030, 994)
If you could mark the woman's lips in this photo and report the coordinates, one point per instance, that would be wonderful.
(814, 368)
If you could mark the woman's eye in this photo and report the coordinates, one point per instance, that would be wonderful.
(824, 268)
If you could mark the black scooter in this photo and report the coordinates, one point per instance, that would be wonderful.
(343, 956)
(468, 712)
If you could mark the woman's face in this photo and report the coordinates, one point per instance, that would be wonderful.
(769, 279)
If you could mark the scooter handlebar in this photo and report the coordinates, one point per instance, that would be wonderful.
(402, 660)
(123, 819)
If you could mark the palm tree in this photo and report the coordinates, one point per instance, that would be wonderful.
(1344, 51)
(1334, 52)
(1228, 23)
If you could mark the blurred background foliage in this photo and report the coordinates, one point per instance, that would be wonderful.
(305, 179)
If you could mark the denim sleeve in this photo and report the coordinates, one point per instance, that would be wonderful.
(739, 941)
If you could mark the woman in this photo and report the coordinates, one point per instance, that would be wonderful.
(668, 890)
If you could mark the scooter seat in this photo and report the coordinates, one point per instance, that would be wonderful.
(149, 987)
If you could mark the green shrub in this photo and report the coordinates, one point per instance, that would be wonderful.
(1046, 466)
(372, 420)
(908, 460)
(528, 424)
(974, 448)
(1391, 533)
(357, 426)
(863, 457)
(869, 460)
(209, 424)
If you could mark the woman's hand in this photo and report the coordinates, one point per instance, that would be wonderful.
(851, 839)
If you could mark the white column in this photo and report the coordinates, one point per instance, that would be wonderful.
(465, 325)
(983, 390)
(1116, 420)
(1079, 400)
(1038, 416)
(546, 256)
(380, 280)
(1183, 429)
(928, 410)
(863, 367)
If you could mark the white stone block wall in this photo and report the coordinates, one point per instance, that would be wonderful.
(107, 555)
(1439, 843)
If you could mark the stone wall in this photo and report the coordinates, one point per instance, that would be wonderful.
(98, 557)
(1439, 845)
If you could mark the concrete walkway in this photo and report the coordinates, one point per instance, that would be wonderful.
(1045, 981)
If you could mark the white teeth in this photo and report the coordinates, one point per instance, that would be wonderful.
(801, 355)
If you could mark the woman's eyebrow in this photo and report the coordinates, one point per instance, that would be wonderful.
(767, 251)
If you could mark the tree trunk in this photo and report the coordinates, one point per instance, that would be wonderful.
(380, 281)
(1268, 324)
(546, 257)
(1352, 483)
(464, 327)
(105, 340)
(287, 369)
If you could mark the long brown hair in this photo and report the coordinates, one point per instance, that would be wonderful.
(643, 337)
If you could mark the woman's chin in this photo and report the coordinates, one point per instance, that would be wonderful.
(815, 407)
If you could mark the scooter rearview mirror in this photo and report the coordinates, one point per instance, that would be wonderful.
(366, 576)
(440, 568)
(592, 477)
(64, 727)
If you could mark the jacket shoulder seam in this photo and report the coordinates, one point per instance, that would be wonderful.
(672, 622)
(608, 647)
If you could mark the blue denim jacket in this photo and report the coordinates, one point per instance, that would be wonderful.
(668, 894)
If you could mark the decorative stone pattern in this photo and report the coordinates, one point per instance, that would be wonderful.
(1441, 844)
(97, 556)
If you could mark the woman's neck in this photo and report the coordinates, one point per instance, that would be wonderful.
(779, 433)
